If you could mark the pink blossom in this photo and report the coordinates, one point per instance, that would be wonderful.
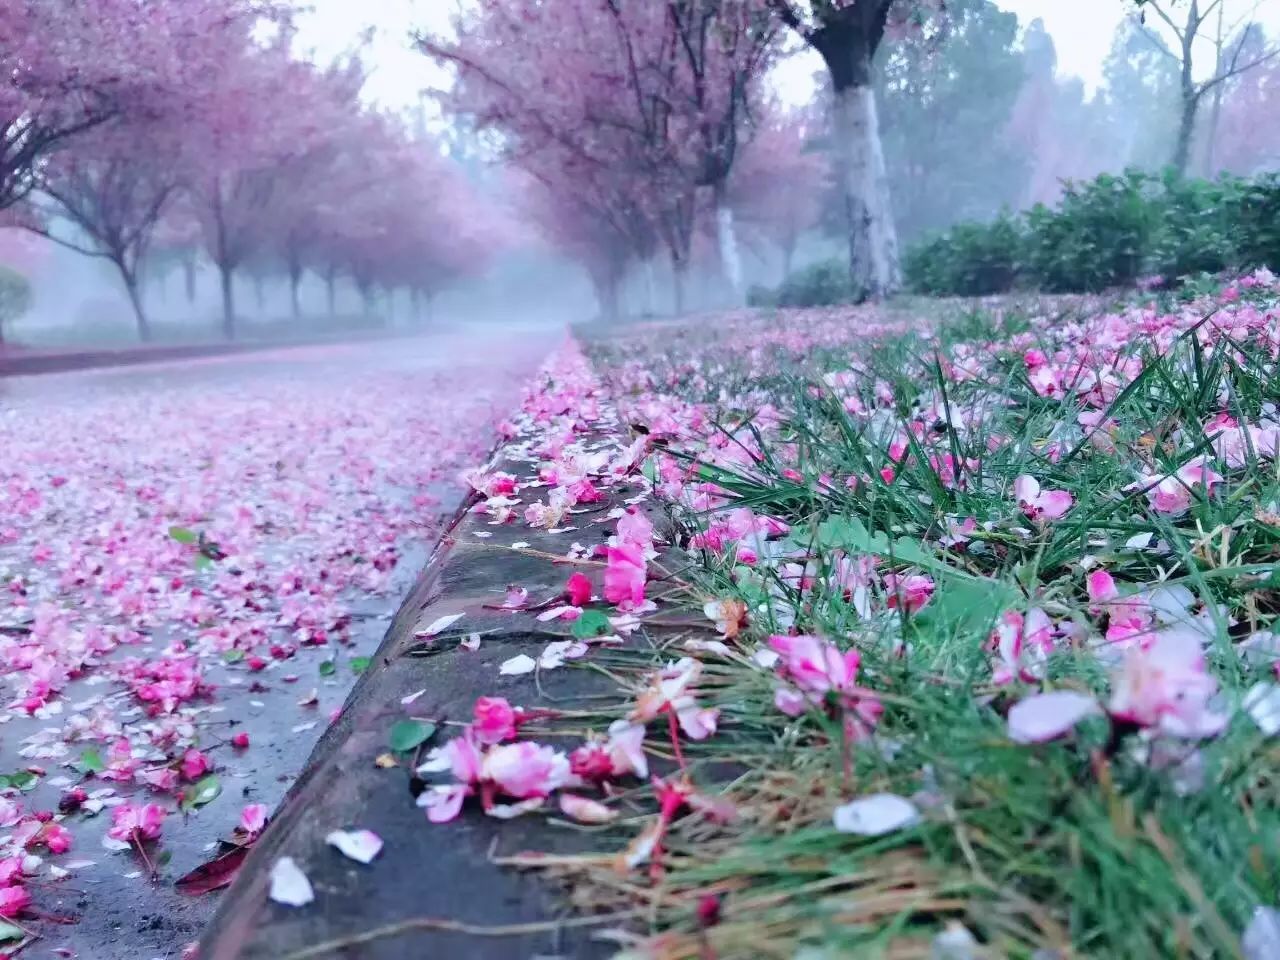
(578, 589)
(131, 822)
(494, 720)
(624, 575)
(13, 900)
(1037, 504)
(1167, 687)
(819, 671)
(912, 592)
(194, 764)
(525, 769)
(1021, 643)
(253, 818)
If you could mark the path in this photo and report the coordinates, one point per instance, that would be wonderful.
(316, 479)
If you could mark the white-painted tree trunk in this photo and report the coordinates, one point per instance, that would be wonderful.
(727, 235)
(650, 289)
(873, 238)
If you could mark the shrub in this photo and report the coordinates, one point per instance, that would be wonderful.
(821, 284)
(1098, 236)
(1256, 221)
(15, 296)
(972, 259)
(1194, 231)
(1109, 232)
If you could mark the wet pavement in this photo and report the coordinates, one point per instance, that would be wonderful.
(105, 907)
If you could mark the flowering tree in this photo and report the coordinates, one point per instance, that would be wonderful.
(778, 184)
(847, 34)
(115, 195)
(622, 111)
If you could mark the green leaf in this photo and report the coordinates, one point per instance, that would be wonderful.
(9, 932)
(233, 656)
(24, 780)
(5, 782)
(408, 735)
(205, 791)
(183, 535)
(328, 668)
(90, 762)
(360, 664)
(962, 605)
(202, 562)
(592, 623)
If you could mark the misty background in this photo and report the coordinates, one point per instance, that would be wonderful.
(989, 109)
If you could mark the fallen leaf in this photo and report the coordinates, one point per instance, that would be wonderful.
(407, 735)
(214, 875)
(386, 761)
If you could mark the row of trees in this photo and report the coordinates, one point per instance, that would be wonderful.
(648, 128)
(638, 125)
(140, 133)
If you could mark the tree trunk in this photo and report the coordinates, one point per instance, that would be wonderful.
(873, 239)
(189, 273)
(330, 283)
(1186, 128)
(788, 256)
(225, 272)
(259, 295)
(415, 304)
(679, 274)
(608, 295)
(727, 238)
(135, 299)
(295, 281)
(650, 289)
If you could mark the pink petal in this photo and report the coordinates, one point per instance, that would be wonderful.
(1047, 716)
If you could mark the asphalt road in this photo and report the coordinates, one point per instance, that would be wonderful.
(107, 908)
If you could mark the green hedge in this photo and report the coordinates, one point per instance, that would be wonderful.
(1108, 232)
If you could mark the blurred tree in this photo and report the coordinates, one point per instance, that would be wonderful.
(1141, 91)
(1189, 32)
(948, 92)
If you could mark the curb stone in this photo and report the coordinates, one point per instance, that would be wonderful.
(442, 872)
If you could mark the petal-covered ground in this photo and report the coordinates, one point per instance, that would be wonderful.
(959, 642)
(196, 561)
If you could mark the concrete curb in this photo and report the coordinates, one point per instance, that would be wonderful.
(425, 872)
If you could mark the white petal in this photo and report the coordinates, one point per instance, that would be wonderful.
(1261, 940)
(517, 665)
(954, 943)
(359, 845)
(1046, 716)
(439, 625)
(289, 885)
(877, 814)
(1263, 703)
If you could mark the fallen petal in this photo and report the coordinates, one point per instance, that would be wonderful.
(289, 885)
(517, 665)
(358, 845)
(1047, 716)
(875, 815)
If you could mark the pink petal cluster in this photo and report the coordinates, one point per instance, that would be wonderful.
(817, 673)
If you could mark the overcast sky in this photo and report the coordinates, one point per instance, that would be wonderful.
(1082, 31)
